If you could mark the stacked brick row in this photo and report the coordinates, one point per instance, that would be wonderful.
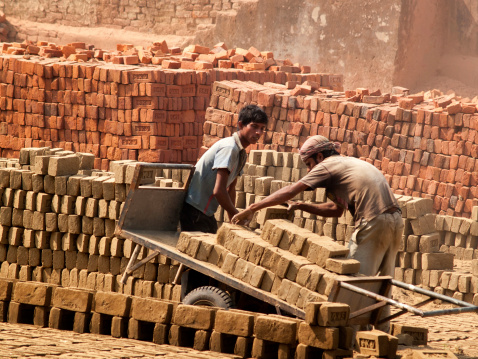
(422, 151)
(419, 259)
(289, 262)
(58, 226)
(115, 112)
(325, 332)
(267, 171)
(459, 235)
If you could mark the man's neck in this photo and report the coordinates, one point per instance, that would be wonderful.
(244, 142)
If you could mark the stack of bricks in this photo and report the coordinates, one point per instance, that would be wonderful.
(325, 331)
(419, 259)
(267, 171)
(423, 151)
(459, 235)
(291, 263)
(115, 112)
(57, 225)
(193, 57)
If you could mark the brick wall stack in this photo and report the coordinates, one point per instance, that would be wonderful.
(419, 258)
(58, 228)
(459, 235)
(246, 334)
(115, 112)
(423, 150)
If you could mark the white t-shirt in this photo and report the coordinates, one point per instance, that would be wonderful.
(226, 153)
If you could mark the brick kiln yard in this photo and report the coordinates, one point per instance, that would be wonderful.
(75, 119)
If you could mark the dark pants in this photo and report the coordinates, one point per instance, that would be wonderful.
(192, 219)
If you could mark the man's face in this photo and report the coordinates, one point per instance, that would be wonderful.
(252, 132)
(313, 161)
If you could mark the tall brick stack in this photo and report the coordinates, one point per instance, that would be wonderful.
(423, 150)
(115, 112)
(419, 259)
(57, 226)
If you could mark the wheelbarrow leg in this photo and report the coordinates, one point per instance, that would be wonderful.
(130, 263)
(178, 273)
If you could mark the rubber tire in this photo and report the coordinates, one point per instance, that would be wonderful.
(209, 296)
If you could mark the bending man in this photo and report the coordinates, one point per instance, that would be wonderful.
(353, 185)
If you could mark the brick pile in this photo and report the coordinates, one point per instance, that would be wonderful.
(325, 331)
(58, 227)
(193, 57)
(419, 259)
(293, 264)
(115, 112)
(423, 150)
(459, 235)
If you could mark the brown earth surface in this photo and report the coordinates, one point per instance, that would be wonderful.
(456, 332)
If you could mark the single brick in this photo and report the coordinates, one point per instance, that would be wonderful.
(195, 317)
(377, 343)
(64, 165)
(318, 337)
(234, 323)
(115, 304)
(32, 293)
(151, 310)
(342, 266)
(76, 300)
(274, 329)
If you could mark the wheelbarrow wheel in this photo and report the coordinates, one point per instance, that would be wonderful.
(209, 296)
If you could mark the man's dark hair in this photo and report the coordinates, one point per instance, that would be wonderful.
(328, 153)
(252, 113)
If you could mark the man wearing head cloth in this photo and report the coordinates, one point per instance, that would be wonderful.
(354, 185)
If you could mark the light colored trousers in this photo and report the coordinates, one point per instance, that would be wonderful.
(375, 245)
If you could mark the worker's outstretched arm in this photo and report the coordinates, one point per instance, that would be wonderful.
(281, 196)
(222, 193)
(327, 209)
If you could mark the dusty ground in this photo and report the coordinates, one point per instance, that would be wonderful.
(27, 341)
(457, 332)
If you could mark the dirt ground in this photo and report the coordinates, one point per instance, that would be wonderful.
(457, 332)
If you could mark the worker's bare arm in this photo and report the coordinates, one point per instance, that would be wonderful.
(222, 194)
(327, 209)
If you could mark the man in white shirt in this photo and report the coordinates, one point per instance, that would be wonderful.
(216, 172)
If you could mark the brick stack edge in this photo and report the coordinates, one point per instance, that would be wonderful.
(324, 333)
(59, 228)
(115, 112)
(423, 150)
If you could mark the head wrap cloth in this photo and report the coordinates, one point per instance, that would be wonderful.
(316, 144)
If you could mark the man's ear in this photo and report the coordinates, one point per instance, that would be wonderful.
(319, 158)
(240, 125)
